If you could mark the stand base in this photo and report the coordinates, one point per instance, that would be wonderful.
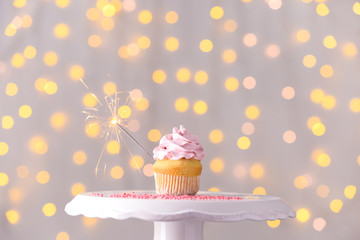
(179, 230)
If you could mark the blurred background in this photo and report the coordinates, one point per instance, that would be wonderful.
(271, 88)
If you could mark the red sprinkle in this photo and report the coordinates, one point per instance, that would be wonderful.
(170, 197)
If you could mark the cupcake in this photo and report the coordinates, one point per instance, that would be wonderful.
(177, 165)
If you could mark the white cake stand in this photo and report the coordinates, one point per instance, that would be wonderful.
(179, 219)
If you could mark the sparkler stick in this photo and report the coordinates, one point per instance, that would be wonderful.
(132, 138)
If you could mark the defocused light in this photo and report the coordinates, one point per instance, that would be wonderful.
(274, 223)
(275, 4)
(206, 45)
(230, 25)
(272, 51)
(249, 82)
(25, 111)
(43, 177)
(76, 72)
(172, 44)
(200, 107)
(181, 104)
(336, 205)
(243, 143)
(247, 128)
(79, 157)
(4, 179)
(89, 100)
(113, 147)
(183, 75)
(328, 102)
(11, 89)
(171, 17)
(349, 50)
(319, 224)
(107, 24)
(26, 21)
(350, 191)
(301, 182)
(133, 49)
(50, 87)
(239, 171)
(62, 3)
(108, 10)
(159, 76)
(19, 3)
(148, 170)
(136, 162)
(217, 12)
(326, 71)
(217, 165)
(289, 136)
(317, 95)
(216, 136)
(62, 236)
(303, 35)
(213, 189)
(231, 84)
(250, 40)
(355, 105)
(124, 111)
(117, 172)
(312, 120)
(4, 148)
(50, 58)
(330, 42)
(322, 191)
(288, 93)
(259, 191)
(94, 41)
(77, 188)
(252, 112)
(92, 129)
(309, 61)
(15, 194)
(58, 120)
(49, 209)
(145, 17)
(89, 222)
(29, 52)
(144, 42)
(7, 122)
(318, 129)
(142, 104)
(356, 8)
(201, 77)
(17, 60)
(38, 145)
(61, 30)
(323, 160)
(12, 216)
(22, 171)
(257, 171)
(322, 9)
(154, 135)
(302, 215)
(229, 56)
(92, 14)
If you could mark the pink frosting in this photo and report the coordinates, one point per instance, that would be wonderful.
(179, 144)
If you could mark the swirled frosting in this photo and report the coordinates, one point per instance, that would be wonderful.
(180, 144)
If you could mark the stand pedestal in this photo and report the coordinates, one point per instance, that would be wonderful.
(179, 230)
(176, 219)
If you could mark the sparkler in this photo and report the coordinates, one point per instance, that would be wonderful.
(113, 118)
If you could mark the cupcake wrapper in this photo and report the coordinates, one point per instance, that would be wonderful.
(176, 185)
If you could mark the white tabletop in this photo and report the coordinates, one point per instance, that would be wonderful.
(252, 207)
